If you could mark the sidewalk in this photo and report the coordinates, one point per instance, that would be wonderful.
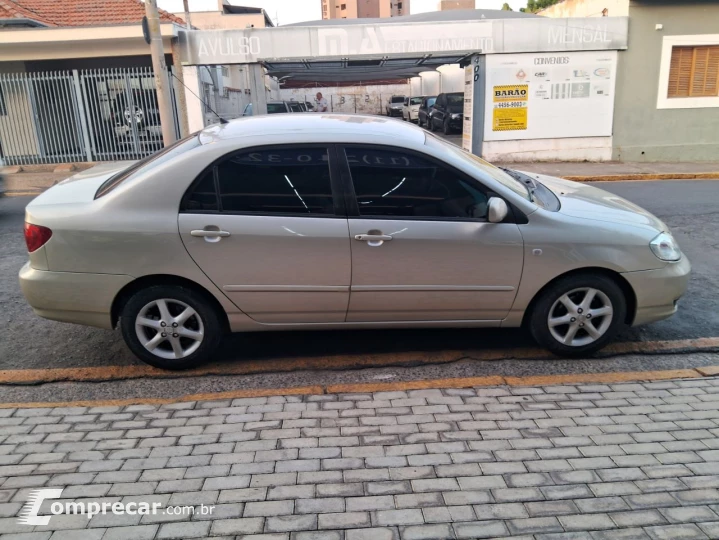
(595, 461)
(35, 181)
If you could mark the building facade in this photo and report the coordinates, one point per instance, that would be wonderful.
(445, 5)
(667, 93)
(364, 9)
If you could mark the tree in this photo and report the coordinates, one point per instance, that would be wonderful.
(537, 5)
(506, 7)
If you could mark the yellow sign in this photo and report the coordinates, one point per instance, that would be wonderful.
(510, 107)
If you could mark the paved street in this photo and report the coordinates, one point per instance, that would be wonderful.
(594, 461)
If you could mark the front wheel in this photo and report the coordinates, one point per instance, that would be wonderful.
(447, 130)
(430, 124)
(578, 315)
(171, 327)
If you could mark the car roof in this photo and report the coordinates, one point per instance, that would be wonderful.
(342, 125)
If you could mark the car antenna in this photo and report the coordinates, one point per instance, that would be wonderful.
(222, 120)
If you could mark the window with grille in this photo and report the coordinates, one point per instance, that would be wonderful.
(694, 72)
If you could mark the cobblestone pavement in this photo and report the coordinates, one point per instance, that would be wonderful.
(594, 461)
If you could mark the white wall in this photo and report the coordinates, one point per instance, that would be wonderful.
(451, 78)
(369, 99)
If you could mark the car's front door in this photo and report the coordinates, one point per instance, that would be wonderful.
(267, 227)
(422, 248)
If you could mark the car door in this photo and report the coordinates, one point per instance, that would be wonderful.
(267, 226)
(439, 110)
(422, 248)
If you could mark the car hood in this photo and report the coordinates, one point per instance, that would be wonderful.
(588, 202)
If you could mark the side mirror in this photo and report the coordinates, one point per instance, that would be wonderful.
(497, 210)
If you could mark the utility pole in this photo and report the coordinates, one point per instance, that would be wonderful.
(157, 51)
(186, 7)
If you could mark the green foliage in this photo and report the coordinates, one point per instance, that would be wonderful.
(536, 5)
(506, 7)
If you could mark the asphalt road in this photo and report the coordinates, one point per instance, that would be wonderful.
(690, 208)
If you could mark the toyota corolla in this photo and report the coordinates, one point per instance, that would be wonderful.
(319, 222)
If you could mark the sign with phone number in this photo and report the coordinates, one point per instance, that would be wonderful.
(510, 107)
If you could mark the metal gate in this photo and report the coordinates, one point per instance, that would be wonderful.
(80, 115)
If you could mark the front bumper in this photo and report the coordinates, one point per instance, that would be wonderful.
(395, 112)
(72, 297)
(456, 123)
(658, 291)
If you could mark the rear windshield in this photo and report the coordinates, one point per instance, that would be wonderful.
(150, 162)
(397, 99)
(415, 101)
(273, 108)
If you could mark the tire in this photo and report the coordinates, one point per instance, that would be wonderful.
(205, 322)
(445, 128)
(608, 293)
(430, 124)
(419, 122)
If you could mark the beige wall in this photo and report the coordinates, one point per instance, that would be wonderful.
(362, 9)
(212, 20)
(14, 141)
(587, 8)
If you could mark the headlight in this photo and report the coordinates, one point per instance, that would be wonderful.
(456, 115)
(665, 247)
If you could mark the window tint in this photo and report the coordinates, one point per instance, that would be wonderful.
(397, 184)
(203, 196)
(276, 181)
(274, 108)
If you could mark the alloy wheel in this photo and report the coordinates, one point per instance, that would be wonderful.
(580, 317)
(169, 328)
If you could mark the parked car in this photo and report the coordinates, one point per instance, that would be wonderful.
(310, 106)
(273, 107)
(447, 113)
(424, 109)
(394, 106)
(296, 106)
(141, 109)
(270, 223)
(410, 108)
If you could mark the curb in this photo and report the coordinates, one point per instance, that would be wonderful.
(465, 382)
(647, 176)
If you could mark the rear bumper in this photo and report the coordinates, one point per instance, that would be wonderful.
(658, 291)
(72, 297)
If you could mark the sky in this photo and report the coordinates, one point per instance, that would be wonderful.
(292, 11)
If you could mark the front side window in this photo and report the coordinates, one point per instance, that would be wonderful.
(275, 181)
(391, 183)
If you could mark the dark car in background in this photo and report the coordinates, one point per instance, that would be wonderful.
(276, 107)
(424, 109)
(447, 113)
(395, 105)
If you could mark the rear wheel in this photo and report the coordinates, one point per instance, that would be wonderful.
(430, 124)
(578, 315)
(446, 129)
(171, 327)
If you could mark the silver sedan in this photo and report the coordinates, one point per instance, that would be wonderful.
(319, 222)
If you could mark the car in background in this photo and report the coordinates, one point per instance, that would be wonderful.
(296, 106)
(447, 113)
(410, 108)
(274, 107)
(394, 106)
(136, 114)
(309, 106)
(330, 221)
(424, 109)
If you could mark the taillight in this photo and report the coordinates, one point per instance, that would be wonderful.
(36, 236)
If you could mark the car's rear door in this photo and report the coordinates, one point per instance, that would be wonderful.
(268, 226)
(422, 248)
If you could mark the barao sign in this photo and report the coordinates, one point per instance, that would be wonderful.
(408, 40)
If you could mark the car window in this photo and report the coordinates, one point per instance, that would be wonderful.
(295, 107)
(415, 101)
(276, 181)
(431, 101)
(397, 99)
(273, 108)
(203, 196)
(248, 110)
(455, 99)
(391, 183)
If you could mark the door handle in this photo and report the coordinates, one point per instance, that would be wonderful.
(373, 240)
(211, 234)
(371, 237)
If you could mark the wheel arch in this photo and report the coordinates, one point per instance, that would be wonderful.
(623, 284)
(143, 282)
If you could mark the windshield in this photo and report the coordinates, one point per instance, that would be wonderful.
(415, 101)
(487, 168)
(455, 99)
(397, 99)
(150, 162)
(431, 101)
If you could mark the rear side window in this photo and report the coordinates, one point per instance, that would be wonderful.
(149, 163)
(282, 181)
